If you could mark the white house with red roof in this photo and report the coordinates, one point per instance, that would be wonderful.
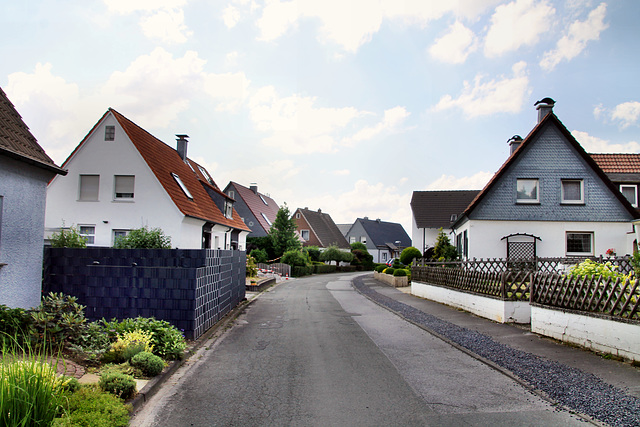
(120, 177)
(549, 199)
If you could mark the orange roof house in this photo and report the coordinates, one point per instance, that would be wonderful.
(121, 177)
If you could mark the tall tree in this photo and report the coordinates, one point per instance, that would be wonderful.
(283, 232)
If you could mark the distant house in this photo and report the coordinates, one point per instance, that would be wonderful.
(121, 177)
(433, 210)
(549, 199)
(256, 209)
(25, 170)
(624, 171)
(384, 240)
(318, 229)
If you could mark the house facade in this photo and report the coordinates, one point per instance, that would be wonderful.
(25, 170)
(121, 177)
(384, 240)
(316, 228)
(257, 210)
(433, 210)
(549, 199)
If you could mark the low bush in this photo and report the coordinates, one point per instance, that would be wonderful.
(346, 268)
(259, 255)
(120, 385)
(389, 270)
(399, 272)
(92, 343)
(68, 238)
(409, 254)
(380, 268)
(15, 326)
(128, 344)
(59, 319)
(89, 406)
(150, 364)
(323, 268)
(144, 238)
(295, 258)
(168, 342)
(300, 271)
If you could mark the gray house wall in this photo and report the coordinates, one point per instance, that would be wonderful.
(357, 231)
(22, 206)
(550, 159)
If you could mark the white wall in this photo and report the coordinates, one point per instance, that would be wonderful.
(485, 236)
(151, 206)
(488, 308)
(617, 338)
(420, 235)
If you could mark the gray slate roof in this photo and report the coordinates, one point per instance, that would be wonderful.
(384, 233)
(17, 141)
(325, 229)
(433, 209)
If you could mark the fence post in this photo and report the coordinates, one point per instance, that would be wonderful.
(503, 284)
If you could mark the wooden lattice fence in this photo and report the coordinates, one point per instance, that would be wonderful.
(610, 296)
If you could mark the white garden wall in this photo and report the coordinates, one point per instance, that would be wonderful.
(618, 338)
(489, 308)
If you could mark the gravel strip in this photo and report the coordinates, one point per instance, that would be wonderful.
(575, 389)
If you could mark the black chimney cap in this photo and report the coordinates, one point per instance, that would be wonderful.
(548, 101)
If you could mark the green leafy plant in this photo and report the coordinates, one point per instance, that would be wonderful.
(91, 343)
(283, 232)
(251, 267)
(68, 238)
(15, 325)
(168, 342)
(591, 269)
(313, 253)
(150, 364)
(443, 249)
(333, 253)
(400, 272)
(259, 255)
(90, 406)
(389, 270)
(409, 254)
(120, 385)
(58, 319)
(380, 268)
(144, 238)
(359, 245)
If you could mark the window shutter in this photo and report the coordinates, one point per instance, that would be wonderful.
(124, 186)
(89, 185)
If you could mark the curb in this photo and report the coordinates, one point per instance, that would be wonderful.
(152, 387)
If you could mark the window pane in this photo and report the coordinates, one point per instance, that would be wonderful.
(89, 185)
(579, 242)
(572, 191)
(527, 190)
(305, 234)
(109, 133)
(88, 231)
(630, 193)
(124, 186)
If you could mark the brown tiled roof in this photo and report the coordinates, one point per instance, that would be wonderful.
(617, 163)
(324, 228)
(16, 139)
(257, 206)
(433, 209)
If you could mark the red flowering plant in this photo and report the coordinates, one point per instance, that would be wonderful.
(611, 252)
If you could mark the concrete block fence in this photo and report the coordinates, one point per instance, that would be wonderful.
(190, 288)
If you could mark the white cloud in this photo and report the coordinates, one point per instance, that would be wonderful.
(392, 119)
(516, 24)
(575, 41)
(627, 113)
(231, 16)
(156, 87)
(353, 23)
(455, 46)
(232, 88)
(506, 95)
(166, 25)
(129, 6)
(342, 172)
(450, 182)
(51, 107)
(295, 124)
(593, 144)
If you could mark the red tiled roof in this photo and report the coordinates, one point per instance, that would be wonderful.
(617, 163)
(257, 206)
(17, 141)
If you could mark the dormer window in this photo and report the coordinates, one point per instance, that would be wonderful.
(182, 186)
(454, 218)
(109, 133)
(228, 209)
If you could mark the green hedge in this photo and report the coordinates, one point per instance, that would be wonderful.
(324, 269)
(347, 268)
(299, 271)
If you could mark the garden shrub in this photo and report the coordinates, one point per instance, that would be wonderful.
(591, 269)
(300, 271)
(380, 268)
(251, 267)
(150, 364)
(259, 255)
(389, 270)
(400, 272)
(313, 252)
(128, 344)
(89, 406)
(15, 326)
(294, 258)
(68, 238)
(59, 318)
(144, 238)
(168, 342)
(323, 268)
(409, 254)
(120, 385)
(92, 343)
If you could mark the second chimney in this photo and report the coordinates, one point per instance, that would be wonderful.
(514, 142)
(254, 187)
(544, 107)
(182, 146)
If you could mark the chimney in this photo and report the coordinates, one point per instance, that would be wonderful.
(319, 210)
(182, 146)
(514, 142)
(253, 187)
(544, 107)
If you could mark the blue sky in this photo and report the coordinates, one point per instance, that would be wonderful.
(348, 106)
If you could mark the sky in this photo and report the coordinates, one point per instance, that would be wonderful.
(348, 106)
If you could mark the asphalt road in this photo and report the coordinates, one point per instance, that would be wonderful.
(314, 352)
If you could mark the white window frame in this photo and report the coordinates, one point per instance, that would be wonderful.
(128, 196)
(352, 239)
(115, 233)
(266, 219)
(84, 231)
(228, 209)
(263, 200)
(231, 194)
(569, 202)
(303, 232)
(635, 193)
(363, 239)
(574, 253)
(528, 200)
(183, 187)
(80, 186)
